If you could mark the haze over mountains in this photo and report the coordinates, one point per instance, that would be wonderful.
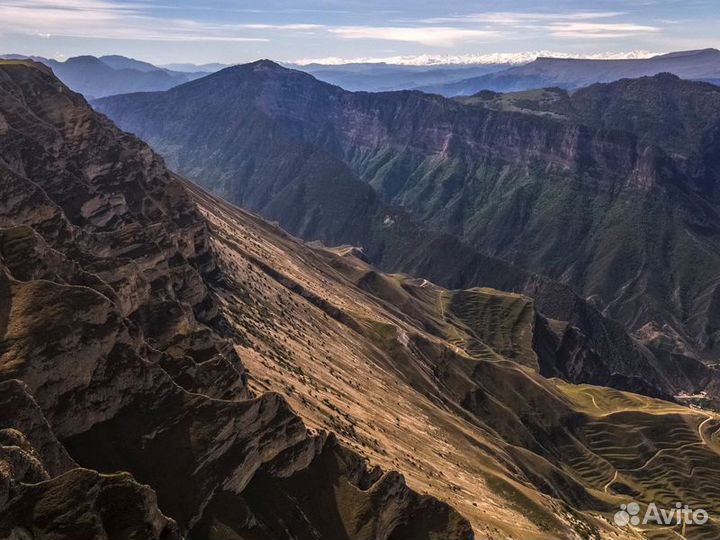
(150, 331)
(114, 74)
(108, 75)
(569, 73)
(384, 77)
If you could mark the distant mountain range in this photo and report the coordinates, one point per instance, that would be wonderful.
(195, 68)
(376, 76)
(111, 75)
(624, 217)
(384, 77)
(497, 73)
(108, 75)
(572, 73)
(428, 60)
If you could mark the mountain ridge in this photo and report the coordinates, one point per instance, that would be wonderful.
(445, 163)
(111, 353)
(570, 73)
(111, 74)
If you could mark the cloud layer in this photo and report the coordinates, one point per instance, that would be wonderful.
(466, 59)
(438, 36)
(112, 19)
(104, 19)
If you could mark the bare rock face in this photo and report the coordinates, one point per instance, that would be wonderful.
(20, 414)
(85, 504)
(111, 357)
(44, 493)
(364, 504)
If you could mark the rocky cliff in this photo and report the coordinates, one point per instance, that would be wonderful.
(125, 413)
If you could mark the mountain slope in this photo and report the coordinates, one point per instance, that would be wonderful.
(610, 213)
(444, 385)
(382, 77)
(111, 358)
(116, 61)
(98, 77)
(574, 73)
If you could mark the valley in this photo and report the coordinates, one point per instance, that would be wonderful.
(512, 195)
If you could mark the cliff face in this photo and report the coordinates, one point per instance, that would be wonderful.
(613, 216)
(111, 358)
(615, 207)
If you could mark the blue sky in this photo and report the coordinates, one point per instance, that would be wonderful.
(162, 31)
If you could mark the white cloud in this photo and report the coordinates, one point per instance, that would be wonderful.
(467, 59)
(134, 20)
(444, 36)
(573, 24)
(522, 18)
(282, 26)
(107, 19)
(600, 30)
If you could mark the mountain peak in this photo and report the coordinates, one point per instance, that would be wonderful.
(26, 64)
(29, 69)
(264, 63)
(259, 70)
(666, 76)
(84, 59)
(258, 66)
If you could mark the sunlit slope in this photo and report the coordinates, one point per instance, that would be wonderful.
(443, 386)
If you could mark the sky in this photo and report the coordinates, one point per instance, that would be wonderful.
(163, 31)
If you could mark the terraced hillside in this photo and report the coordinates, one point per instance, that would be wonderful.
(444, 386)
